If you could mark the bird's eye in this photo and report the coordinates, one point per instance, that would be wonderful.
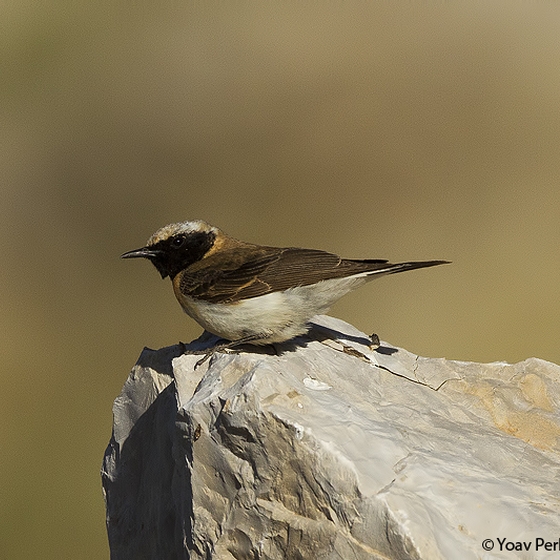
(178, 241)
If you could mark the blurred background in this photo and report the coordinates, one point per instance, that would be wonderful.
(382, 130)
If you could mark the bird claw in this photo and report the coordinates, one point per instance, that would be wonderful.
(207, 353)
(203, 359)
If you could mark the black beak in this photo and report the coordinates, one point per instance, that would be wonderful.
(144, 252)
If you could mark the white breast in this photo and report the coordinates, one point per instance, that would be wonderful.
(274, 317)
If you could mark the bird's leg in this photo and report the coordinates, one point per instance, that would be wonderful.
(208, 353)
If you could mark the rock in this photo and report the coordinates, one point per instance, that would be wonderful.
(333, 450)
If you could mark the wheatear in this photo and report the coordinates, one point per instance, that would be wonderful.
(247, 293)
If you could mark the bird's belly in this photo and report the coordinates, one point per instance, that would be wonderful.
(272, 318)
(269, 317)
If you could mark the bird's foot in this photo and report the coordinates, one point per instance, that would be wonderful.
(206, 353)
(209, 352)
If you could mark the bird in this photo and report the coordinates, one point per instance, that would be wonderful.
(254, 294)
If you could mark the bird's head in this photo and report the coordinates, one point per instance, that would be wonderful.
(176, 246)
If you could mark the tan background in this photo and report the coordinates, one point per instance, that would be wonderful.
(379, 129)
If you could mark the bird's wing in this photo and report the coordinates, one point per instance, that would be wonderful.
(255, 271)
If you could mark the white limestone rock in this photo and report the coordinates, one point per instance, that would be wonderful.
(321, 451)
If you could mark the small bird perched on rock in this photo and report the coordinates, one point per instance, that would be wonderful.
(247, 293)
